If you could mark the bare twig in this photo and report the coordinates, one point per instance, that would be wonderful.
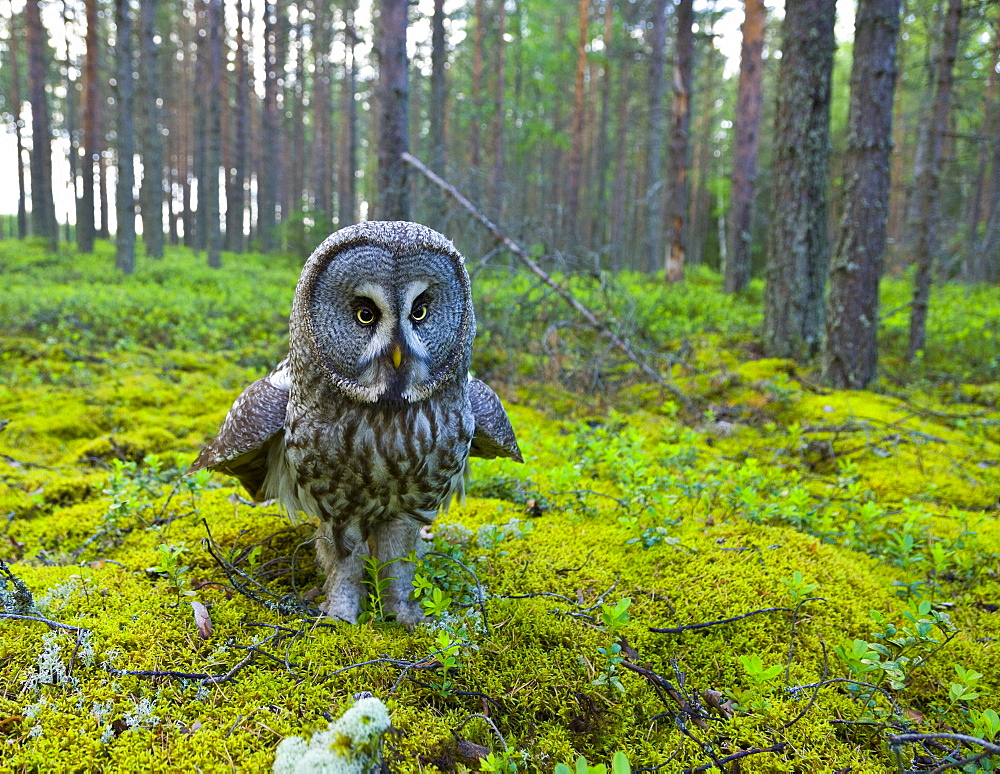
(566, 296)
(706, 624)
(488, 722)
(480, 591)
(991, 748)
(48, 622)
(737, 756)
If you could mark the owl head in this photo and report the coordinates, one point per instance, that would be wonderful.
(385, 310)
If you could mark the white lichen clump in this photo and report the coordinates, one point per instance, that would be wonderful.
(349, 745)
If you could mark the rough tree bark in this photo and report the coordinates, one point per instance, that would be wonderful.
(677, 176)
(576, 151)
(151, 193)
(498, 183)
(746, 143)
(236, 176)
(475, 149)
(70, 119)
(43, 209)
(797, 249)
(347, 195)
(322, 155)
(603, 150)
(213, 144)
(930, 181)
(15, 84)
(654, 139)
(438, 106)
(269, 175)
(850, 350)
(124, 191)
(392, 93)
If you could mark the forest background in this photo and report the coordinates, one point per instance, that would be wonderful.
(677, 261)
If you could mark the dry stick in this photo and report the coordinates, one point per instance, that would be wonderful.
(905, 738)
(706, 624)
(566, 296)
(51, 624)
(736, 756)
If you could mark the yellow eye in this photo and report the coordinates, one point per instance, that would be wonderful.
(365, 315)
(419, 314)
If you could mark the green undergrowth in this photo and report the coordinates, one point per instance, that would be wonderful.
(182, 630)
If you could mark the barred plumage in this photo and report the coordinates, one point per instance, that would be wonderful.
(369, 423)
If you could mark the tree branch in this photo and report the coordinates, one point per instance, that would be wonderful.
(566, 296)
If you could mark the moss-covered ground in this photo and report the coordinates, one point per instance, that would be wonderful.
(767, 491)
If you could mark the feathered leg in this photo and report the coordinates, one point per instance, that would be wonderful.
(396, 540)
(340, 553)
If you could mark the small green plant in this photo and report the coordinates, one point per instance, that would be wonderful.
(753, 698)
(895, 653)
(614, 618)
(449, 659)
(503, 763)
(619, 765)
(798, 589)
(169, 565)
(373, 603)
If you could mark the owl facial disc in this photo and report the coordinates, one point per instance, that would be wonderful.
(388, 319)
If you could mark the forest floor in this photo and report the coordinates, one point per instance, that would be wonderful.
(851, 537)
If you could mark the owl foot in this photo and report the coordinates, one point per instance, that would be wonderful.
(409, 614)
(342, 607)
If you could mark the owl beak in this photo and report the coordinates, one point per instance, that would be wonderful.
(397, 355)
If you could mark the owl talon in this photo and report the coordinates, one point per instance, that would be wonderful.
(409, 615)
(341, 608)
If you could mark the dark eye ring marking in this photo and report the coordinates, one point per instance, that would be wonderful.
(419, 313)
(366, 315)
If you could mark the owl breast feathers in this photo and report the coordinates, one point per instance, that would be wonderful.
(369, 422)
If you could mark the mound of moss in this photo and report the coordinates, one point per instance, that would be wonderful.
(775, 574)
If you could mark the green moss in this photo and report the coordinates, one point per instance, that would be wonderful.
(694, 515)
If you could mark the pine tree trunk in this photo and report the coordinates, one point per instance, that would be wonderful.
(498, 183)
(392, 93)
(677, 175)
(576, 151)
(746, 144)
(603, 150)
(322, 160)
(124, 191)
(269, 176)
(295, 121)
(438, 107)
(850, 351)
(70, 119)
(930, 181)
(654, 147)
(797, 249)
(477, 100)
(15, 88)
(151, 193)
(213, 145)
(43, 209)
(237, 173)
(347, 197)
(200, 115)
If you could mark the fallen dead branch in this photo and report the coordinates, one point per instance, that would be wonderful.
(737, 756)
(538, 271)
(706, 624)
(39, 619)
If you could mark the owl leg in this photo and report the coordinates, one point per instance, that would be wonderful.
(340, 551)
(394, 541)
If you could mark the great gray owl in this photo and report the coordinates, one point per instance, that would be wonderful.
(369, 422)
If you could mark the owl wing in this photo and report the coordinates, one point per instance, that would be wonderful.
(494, 436)
(254, 423)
